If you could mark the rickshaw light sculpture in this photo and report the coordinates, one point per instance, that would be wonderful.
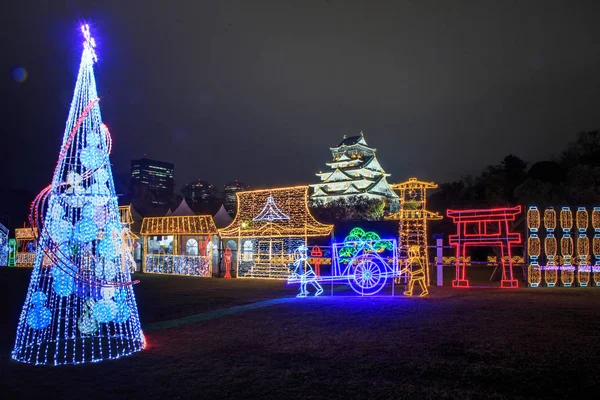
(366, 268)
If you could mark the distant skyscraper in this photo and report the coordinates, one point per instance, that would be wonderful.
(157, 176)
(230, 198)
(198, 191)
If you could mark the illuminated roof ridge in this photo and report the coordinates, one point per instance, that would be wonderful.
(291, 200)
(179, 225)
(271, 212)
(414, 183)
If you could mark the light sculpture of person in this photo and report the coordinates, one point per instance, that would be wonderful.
(417, 272)
(304, 273)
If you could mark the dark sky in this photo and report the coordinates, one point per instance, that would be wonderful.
(259, 91)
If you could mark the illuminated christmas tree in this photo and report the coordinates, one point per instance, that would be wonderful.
(80, 305)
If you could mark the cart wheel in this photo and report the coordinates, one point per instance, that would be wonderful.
(368, 277)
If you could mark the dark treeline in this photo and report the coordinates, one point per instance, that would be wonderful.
(571, 179)
(352, 208)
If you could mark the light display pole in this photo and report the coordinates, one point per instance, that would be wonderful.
(80, 305)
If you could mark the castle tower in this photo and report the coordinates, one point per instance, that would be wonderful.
(354, 171)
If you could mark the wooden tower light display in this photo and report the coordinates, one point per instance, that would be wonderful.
(413, 216)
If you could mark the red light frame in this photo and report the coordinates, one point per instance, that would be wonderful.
(504, 239)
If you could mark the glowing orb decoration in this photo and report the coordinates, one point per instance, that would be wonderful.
(91, 157)
(62, 283)
(18, 74)
(61, 230)
(85, 230)
(99, 194)
(39, 316)
(105, 310)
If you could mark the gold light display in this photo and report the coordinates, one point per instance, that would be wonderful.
(534, 272)
(125, 213)
(269, 225)
(550, 219)
(566, 250)
(596, 245)
(533, 219)
(567, 270)
(413, 216)
(26, 246)
(550, 248)
(596, 251)
(566, 219)
(596, 219)
(581, 219)
(128, 238)
(494, 259)
(583, 267)
(583, 247)
(179, 245)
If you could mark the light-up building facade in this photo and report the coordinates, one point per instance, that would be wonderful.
(230, 195)
(199, 191)
(157, 176)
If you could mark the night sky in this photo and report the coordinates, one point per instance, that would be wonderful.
(259, 91)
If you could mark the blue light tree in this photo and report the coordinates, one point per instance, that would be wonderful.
(80, 305)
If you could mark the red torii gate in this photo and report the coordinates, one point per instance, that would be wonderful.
(484, 227)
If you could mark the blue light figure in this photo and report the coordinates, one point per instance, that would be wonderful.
(304, 273)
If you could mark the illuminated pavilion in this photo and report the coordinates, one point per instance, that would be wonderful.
(269, 225)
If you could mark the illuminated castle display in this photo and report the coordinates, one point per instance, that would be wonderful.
(268, 226)
(80, 306)
(354, 171)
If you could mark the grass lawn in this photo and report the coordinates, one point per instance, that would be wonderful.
(457, 343)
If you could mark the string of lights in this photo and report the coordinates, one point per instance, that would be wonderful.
(179, 245)
(566, 247)
(412, 219)
(269, 226)
(534, 271)
(80, 305)
(485, 227)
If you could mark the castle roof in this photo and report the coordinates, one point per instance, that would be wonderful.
(257, 210)
(358, 140)
(26, 233)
